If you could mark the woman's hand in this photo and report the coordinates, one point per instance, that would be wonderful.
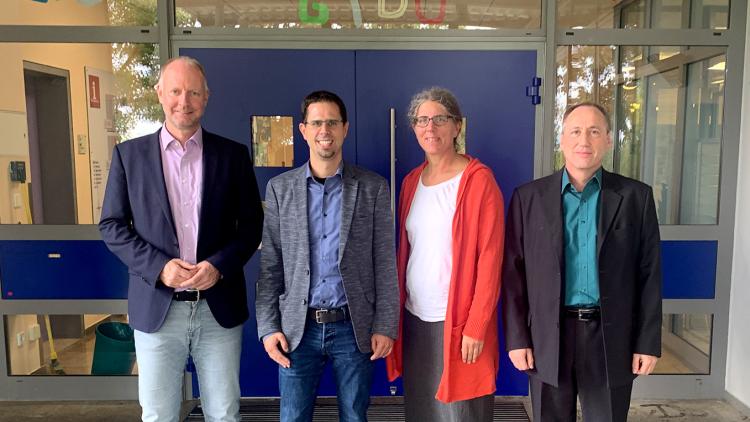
(471, 349)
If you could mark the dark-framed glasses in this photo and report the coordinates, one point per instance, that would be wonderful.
(438, 120)
(319, 123)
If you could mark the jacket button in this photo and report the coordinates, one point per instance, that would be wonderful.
(307, 272)
(304, 301)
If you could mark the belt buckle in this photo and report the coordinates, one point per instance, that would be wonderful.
(197, 295)
(319, 313)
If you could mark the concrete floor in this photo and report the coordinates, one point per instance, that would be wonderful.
(128, 411)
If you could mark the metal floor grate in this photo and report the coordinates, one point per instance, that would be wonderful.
(253, 410)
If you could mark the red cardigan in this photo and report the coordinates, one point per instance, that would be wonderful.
(478, 225)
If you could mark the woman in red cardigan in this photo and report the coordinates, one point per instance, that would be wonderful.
(449, 258)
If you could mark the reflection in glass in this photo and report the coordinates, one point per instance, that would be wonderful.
(667, 106)
(686, 344)
(362, 14)
(78, 12)
(65, 106)
(69, 345)
(632, 15)
(665, 14)
(461, 138)
(703, 130)
(273, 141)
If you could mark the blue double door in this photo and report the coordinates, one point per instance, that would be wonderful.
(491, 89)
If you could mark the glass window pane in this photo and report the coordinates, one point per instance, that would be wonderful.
(667, 104)
(702, 151)
(69, 345)
(361, 14)
(273, 141)
(64, 108)
(712, 14)
(665, 14)
(79, 12)
(632, 16)
(686, 344)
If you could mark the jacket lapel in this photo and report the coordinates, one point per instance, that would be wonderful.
(349, 200)
(299, 199)
(156, 173)
(552, 205)
(610, 204)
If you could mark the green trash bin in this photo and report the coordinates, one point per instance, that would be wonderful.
(114, 349)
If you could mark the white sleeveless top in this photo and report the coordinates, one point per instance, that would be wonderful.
(429, 227)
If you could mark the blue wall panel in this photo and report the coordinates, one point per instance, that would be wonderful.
(689, 268)
(85, 269)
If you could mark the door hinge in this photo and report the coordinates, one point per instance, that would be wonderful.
(533, 91)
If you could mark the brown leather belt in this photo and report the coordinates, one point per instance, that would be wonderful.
(325, 316)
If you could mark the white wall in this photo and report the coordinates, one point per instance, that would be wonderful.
(738, 350)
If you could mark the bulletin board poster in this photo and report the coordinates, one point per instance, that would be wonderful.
(102, 136)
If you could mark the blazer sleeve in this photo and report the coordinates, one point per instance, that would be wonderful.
(387, 304)
(270, 283)
(490, 225)
(514, 297)
(118, 233)
(246, 238)
(647, 327)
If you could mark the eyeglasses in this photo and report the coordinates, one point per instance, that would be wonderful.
(437, 120)
(332, 123)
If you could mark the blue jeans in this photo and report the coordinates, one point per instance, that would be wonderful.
(351, 368)
(190, 329)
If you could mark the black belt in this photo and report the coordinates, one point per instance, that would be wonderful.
(187, 296)
(325, 316)
(583, 314)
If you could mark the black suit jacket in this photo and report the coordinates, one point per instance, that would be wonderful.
(629, 263)
(137, 226)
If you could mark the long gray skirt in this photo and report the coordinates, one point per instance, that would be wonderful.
(423, 366)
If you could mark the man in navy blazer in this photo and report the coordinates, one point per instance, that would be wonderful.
(182, 211)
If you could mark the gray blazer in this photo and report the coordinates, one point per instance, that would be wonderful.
(366, 257)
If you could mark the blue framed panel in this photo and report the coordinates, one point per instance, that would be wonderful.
(689, 268)
(61, 269)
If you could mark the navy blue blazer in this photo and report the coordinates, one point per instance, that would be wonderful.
(137, 226)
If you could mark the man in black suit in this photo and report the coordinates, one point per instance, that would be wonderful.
(581, 292)
(182, 211)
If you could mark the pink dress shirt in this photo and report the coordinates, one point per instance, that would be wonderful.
(183, 176)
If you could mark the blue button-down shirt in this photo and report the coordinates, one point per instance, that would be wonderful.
(324, 202)
(580, 215)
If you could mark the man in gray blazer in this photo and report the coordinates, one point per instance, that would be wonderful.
(328, 288)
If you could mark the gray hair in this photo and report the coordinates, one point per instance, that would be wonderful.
(441, 96)
(438, 94)
(190, 62)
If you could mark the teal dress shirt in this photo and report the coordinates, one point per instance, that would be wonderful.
(580, 216)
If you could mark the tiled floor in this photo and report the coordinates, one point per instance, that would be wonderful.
(640, 411)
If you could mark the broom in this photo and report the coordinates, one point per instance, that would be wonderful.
(54, 365)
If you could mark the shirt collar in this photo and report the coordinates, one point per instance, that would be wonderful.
(309, 175)
(566, 180)
(166, 138)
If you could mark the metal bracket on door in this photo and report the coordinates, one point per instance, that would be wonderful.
(533, 90)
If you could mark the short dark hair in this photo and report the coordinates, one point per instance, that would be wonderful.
(597, 106)
(323, 97)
